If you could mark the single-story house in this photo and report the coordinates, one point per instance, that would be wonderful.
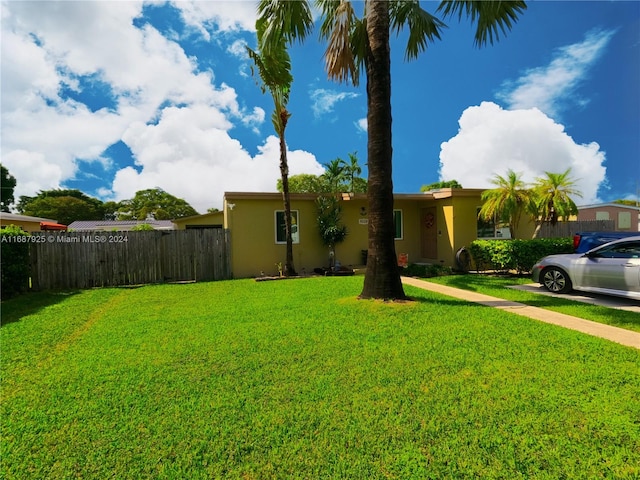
(26, 222)
(626, 217)
(430, 228)
(118, 225)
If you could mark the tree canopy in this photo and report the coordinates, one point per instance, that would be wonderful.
(8, 185)
(339, 177)
(63, 205)
(439, 185)
(154, 202)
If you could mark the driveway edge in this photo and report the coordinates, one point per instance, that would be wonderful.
(614, 334)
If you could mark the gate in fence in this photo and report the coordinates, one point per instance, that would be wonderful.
(70, 260)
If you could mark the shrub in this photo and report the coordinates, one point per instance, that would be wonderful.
(425, 271)
(14, 261)
(519, 255)
(142, 227)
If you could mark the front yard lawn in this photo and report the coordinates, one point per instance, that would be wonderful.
(299, 379)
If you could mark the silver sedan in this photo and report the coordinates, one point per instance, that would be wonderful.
(612, 269)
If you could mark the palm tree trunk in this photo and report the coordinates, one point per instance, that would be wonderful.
(382, 278)
(289, 269)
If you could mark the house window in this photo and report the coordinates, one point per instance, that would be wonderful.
(602, 215)
(397, 222)
(490, 229)
(624, 220)
(281, 232)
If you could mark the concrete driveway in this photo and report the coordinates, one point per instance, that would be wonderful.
(585, 297)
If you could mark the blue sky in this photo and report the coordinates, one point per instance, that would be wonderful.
(116, 97)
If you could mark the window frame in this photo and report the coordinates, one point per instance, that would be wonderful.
(398, 211)
(295, 237)
(494, 225)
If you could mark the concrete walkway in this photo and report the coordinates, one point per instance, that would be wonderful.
(615, 334)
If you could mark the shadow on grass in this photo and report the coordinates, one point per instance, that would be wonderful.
(16, 308)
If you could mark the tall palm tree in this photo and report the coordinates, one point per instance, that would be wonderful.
(553, 198)
(354, 43)
(353, 171)
(274, 68)
(508, 201)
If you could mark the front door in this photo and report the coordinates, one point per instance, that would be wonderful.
(429, 233)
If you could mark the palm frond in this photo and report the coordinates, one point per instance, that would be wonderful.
(290, 21)
(423, 27)
(337, 29)
(493, 17)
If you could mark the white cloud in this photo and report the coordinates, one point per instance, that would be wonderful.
(47, 45)
(218, 16)
(190, 154)
(361, 125)
(551, 88)
(491, 141)
(324, 101)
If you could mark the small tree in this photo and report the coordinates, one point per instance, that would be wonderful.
(330, 228)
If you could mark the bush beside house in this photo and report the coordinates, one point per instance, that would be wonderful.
(14, 261)
(518, 255)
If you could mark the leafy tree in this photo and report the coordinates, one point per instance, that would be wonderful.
(439, 185)
(508, 202)
(63, 205)
(334, 174)
(156, 202)
(339, 177)
(553, 198)
(354, 43)
(305, 183)
(7, 188)
(630, 203)
(111, 210)
(331, 230)
(281, 23)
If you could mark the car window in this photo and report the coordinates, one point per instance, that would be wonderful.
(621, 250)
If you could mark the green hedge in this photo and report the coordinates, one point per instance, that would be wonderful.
(518, 255)
(14, 261)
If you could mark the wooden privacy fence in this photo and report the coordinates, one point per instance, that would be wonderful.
(68, 260)
(569, 229)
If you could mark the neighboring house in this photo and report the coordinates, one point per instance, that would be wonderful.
(626, 217)
(207, 220)
(118, 225)
(430, 228)
(27, 223)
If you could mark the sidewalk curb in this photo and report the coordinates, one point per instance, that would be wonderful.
(614, 334)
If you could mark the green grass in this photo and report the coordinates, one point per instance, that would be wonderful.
(495, 285)
(298, 379)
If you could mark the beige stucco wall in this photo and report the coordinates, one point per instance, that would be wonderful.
(26, 226)
(253, 237)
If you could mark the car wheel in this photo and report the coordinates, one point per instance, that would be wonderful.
(556, 280)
